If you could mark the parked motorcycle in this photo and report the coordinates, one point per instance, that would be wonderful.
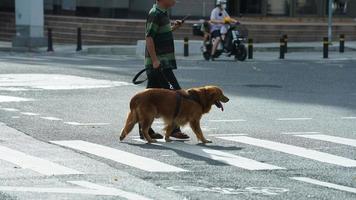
(233, 45)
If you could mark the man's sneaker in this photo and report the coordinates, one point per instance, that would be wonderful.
(178, 134)
(152, 133)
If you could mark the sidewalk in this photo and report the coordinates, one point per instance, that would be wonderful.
(194, 48)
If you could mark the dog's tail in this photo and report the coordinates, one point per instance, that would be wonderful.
(131, 120)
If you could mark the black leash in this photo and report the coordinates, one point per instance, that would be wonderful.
(136, 82)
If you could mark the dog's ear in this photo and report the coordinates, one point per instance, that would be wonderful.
(194, 93)
(210, 94)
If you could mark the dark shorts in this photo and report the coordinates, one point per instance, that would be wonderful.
(158, 79)
(216, 34)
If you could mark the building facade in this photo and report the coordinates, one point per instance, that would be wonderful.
(196, 8)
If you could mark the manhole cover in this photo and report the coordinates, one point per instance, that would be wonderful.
(262, 86)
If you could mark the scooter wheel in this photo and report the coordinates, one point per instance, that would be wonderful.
(241, 54)
(206, 56)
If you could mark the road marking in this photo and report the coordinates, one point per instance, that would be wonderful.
(12, 89)
(55, 82)
(216, 155)
(15, 117)
(12, 99)
(86, 124)
(227, 120)
(348, 117)
(294, 150)
(52, 118)
(29, 114)
(10, 109)
(119, 156)
(24, 58)
(64, 58)
(329, 138)
(36, 164)
(232, 134)
(90, 189)
(294, 119)
(299, 133)
(325, 184)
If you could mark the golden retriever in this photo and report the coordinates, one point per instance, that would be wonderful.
(161, 103)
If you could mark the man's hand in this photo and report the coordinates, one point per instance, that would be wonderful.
(156, 64)
(177, 24)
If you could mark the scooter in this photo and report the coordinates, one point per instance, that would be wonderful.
(232, 45)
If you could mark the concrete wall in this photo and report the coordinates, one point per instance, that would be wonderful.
(141, 5)
(103, 3)
(193, 7)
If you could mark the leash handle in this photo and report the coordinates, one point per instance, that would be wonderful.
(134, 80)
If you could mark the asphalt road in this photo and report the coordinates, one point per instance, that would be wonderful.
(289, 131)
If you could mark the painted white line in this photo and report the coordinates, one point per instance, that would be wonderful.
(232, 134)
(227, 120)
(217, 155)
(90, 189)
(36, 164)
(119, 156)
(64, 58)
(348, 117)
(51, 118)
(299, 133)
(86, 124)
(10, 109)
(325, 184)
(29, 114)
(24, 58)
(12, 89)
(294, 119)
(329, 138)
(12, 99)
(294, 150)
(55, 82)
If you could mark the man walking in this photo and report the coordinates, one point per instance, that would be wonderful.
(159, 57)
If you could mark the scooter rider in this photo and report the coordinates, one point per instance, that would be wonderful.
(219, 19)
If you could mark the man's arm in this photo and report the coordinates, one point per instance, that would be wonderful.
(152, 52)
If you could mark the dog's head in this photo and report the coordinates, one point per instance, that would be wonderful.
(208, 96)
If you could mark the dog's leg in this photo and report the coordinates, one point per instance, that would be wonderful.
(129, 125)
(169, 128)
(195, 125)
(145, 126)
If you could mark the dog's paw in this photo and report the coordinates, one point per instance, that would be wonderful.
(122, 138)
(168, 140)
(152, 141)
(207, 141)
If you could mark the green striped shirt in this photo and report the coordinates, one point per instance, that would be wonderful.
(158, 26)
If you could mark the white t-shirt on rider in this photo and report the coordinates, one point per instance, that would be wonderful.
(218, 14)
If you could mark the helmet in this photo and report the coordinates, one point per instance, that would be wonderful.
(220, 2)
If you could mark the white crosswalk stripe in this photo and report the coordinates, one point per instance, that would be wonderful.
(329, 138)
(119, 156)
(325, 184)
(217, 155)
(294, 150)
(36, 164)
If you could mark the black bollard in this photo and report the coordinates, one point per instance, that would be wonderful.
(186, 47)
(250, 48)
(281, 49)
(342, 43)
(285, 37)
(50, 40)
(326, 47)
(79, 39)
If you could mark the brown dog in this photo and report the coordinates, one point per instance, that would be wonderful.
(175, 107)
